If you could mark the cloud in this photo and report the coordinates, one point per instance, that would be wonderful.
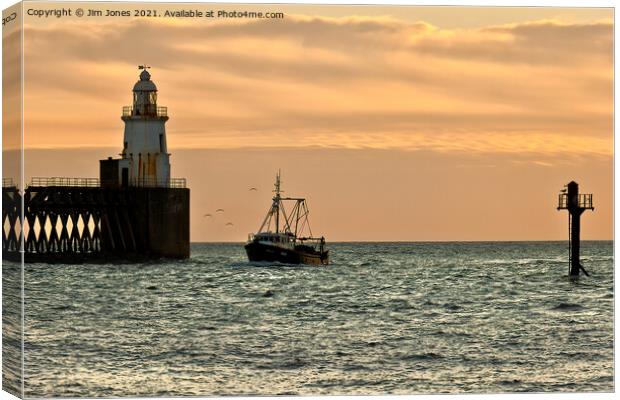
(545, 42)
(351, 82)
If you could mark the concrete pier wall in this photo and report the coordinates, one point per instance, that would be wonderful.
(161, 216)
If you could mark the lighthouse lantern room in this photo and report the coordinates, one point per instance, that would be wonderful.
(144, 159)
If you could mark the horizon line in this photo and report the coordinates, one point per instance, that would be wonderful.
(427, 241)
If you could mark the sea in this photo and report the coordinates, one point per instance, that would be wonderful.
(382, 318)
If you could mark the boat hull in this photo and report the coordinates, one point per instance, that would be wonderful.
(258, 252)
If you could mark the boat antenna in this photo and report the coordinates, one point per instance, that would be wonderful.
(277, 185)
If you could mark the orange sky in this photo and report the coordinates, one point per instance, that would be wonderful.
(397, 123)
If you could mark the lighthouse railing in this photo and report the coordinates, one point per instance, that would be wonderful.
(583, 201)
(145, 110)
(562, 201)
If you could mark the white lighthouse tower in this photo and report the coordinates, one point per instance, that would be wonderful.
(145, 153)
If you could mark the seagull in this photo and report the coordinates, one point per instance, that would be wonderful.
(219, 210)
(207, 215)
(253, 188)
(229, 224)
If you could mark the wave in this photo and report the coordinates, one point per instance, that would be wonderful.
(423, 356)
(567, 307)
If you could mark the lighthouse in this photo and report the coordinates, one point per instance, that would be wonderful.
(144, 143)
(145, 160)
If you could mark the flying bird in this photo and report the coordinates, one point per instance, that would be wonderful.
(207, 215)
(253, 188)
(229, 224)
(219, 210)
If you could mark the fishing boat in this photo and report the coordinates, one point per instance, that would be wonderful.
(281, 238)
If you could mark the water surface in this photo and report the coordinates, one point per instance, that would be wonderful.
(383, 318)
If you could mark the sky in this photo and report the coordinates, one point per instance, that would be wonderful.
(396, 123)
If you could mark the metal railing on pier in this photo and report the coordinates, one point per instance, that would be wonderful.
(8, 182)
(177, 183)
(64, 181)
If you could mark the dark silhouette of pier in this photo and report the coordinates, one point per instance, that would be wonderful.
(77, 219)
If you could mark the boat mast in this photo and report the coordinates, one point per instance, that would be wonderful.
(276, 202)
(298, 215)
